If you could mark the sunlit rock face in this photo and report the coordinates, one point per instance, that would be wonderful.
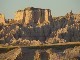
(19, 15)
(77, 17)
(2, 18)
(33, 15)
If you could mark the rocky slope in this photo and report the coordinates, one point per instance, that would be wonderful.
(35, 26)
(50, 54)
(11, 55)
(51, 30)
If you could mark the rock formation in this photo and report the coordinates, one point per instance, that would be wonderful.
(33, 15)
(49, 54)
(19, 15)
(2, 18)
(38, 24)
(11, 55)
(35, 26)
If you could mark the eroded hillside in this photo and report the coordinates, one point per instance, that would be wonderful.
(37, 25)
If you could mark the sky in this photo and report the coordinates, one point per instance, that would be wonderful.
(58, 7)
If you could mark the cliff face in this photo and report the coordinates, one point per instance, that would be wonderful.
(2, 18)
(19, 15)
(33, 15)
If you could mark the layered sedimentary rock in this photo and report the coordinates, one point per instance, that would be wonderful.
(2, 18)
(37, 24)
(19, 16)
(35, 27)
(33, 15)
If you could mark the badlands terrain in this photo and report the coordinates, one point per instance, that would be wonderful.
(34, 34)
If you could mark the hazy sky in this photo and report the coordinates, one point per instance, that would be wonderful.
(58, 7)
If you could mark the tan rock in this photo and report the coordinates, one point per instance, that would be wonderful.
(2, 18)
(19, 15)
(33, 15)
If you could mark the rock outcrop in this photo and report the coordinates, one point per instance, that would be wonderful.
(2, 18)
(33, 15)
(11, 55)
(49, 54)
(37, 24)
(19, 15)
